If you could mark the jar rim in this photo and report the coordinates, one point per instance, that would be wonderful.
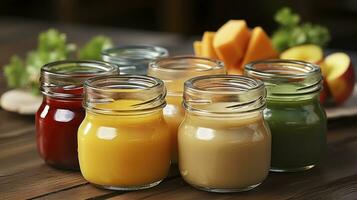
(65, 78)
(109, 87)
(305, 68)
(239, 94)
(159, 64)
(254, 84)
(92, 82)
(286, 78)
(104, 66)
(131, 52)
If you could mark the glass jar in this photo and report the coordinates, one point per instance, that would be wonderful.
(133, 59)
(61, 112)
(124, 141)
(174, 71)
(294, 113)
(223, 142)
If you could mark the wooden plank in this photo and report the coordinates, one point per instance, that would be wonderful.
(18, 124)
(344, 188)
(84, 191)
(24, 175)
(89, 191)
(37, 180)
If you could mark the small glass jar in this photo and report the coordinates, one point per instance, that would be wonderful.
(174, 71)
(61, 112)
(133, 59)
(124, 141)
(224, 143)
(294, 113)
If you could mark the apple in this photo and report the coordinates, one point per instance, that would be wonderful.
(324, 94)
(339, 74)
(307, 52)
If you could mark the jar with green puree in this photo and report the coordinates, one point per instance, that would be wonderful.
(296, 118)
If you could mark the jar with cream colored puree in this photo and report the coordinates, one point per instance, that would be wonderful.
(224, 144)
(174, 71)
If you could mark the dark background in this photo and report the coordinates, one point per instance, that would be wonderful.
(189, 17)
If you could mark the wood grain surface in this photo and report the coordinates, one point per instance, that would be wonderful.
(23, 175)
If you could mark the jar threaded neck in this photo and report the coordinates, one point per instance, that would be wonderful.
(224, 94)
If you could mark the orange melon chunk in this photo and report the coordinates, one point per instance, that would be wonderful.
(197, 46)
(207, 49)
(231, 40)
(235, 70)
(259, 47)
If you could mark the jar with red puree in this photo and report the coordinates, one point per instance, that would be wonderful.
(61, 112)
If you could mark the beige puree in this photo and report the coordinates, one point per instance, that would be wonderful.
(224, 153)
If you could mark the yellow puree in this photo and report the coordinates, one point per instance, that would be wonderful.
(124, 151)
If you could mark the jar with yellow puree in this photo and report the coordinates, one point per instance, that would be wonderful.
(174, 71)
(224, 143)
(124, 141)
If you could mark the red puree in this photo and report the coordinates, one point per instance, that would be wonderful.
(57, 122)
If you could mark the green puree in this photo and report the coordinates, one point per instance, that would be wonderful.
(298, 130)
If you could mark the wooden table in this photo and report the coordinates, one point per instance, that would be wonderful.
(24, 175)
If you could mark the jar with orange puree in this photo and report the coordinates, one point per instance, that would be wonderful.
(124, 141)
(174, 71)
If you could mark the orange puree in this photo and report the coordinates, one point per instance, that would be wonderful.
(120, 150)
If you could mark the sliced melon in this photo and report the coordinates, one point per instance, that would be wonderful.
(259, 47)
(207, 49)
(197, 46)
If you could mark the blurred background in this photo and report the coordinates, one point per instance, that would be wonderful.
(188, 17)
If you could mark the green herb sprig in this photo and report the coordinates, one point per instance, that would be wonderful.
(292, 33)
(52, 46)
